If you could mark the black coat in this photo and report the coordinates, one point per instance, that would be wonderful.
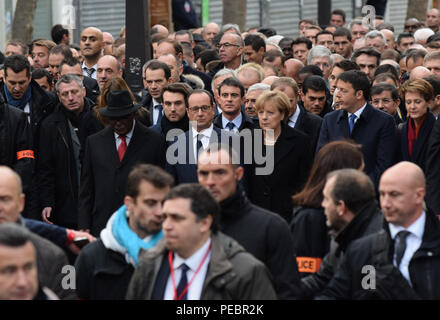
(15, 140)
(104, 177)
(246, 123)
(92, 88)
(102, 274)
(424, 266)
(311, 241)
(310, 124)
(432, 169)
(266, 236)
(420, 147)
(57, 170)
(291, 160)
(369, 220)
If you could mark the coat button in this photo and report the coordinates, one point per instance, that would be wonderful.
(429, 254)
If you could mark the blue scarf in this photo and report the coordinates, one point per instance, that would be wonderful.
(128, 238)
(20, 103)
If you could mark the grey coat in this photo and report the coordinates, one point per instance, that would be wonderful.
(233, 273)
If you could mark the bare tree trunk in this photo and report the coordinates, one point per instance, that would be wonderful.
(22, 26)
(417, 9)
(234, 11)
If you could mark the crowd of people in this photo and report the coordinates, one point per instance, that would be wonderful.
(251, 166)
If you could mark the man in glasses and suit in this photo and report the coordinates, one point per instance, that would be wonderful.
(109, 156)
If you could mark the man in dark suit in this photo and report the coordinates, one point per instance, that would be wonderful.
(109, 156)
(299, 117)
(358, 120)
(232, 118)
(156, 76)
(73, 66)
(183, 153)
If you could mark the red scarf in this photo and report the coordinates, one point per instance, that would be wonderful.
(413, 133)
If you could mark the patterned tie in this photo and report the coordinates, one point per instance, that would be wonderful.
(183, 282)
(160, 108)
(230, 126)
(199, 144)
(122, 148)
(89, 71)
(351, 121)
(401, 246)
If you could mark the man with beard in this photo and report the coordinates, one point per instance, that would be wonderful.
(104, 268)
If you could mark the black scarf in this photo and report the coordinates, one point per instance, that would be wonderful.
(234, 206)
(167, 125)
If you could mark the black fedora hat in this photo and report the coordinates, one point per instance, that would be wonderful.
(119, 104)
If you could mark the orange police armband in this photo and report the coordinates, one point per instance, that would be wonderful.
(308, 264)
(25, 154)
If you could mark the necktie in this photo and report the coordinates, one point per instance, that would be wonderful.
(160, 108)
(199, 144)
(230, 126)
(183, 282)
(401, 246)
(351, 121)
(90, 71)
(122, 147)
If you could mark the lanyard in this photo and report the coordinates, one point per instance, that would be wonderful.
(170, 261)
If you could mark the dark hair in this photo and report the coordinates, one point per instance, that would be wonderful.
(272, 54)
(156, 65)
(304, 40)
(267, 31)
(342, 32)
(71, 62)
(178, 87)
(202, 202)
(183, 32)
(57, 33)
(255, 41)
(232, 82)
(434, 81)
(368, 51)
(208, 56)
(404, 35)
(384, 86)
(17, 63)
(353, 187)
(62, 49)
(323, 32)
(155, 175)
(433, 37)
(13, 235)
(307, 20)
(415, 55)
(382, 77)
(387, 68)
(288, 42)
(313, 69)
(41, 73)
(211, 98)
(346, 65)
(390, 54)
(339, 12)
(358, 80)
(332, 156)
(315, 83)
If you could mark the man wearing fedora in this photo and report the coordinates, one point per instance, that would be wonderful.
(109, 157)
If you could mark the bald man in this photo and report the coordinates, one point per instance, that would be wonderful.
(403, 259)
(92, 44)
(230, 50)
(419, 73)
(389, 36)
(433, 19)
(161, 30)
(108, 42)
(292, 67)
(108, 67)
(210, 31)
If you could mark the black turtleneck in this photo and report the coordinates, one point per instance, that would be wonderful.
(167, 125)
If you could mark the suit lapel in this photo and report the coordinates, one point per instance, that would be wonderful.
(423, 137)
(109, 145)
(343, 124)
(284, 144)
(134, 144)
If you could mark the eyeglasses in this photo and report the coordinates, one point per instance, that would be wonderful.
(226, 45)
(196, 109)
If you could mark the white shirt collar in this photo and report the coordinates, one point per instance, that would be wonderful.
(129, 134)
(155, 103)
(205, 132)
(194, 261)
(94, 67)
(417, 228)
(237, 121)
